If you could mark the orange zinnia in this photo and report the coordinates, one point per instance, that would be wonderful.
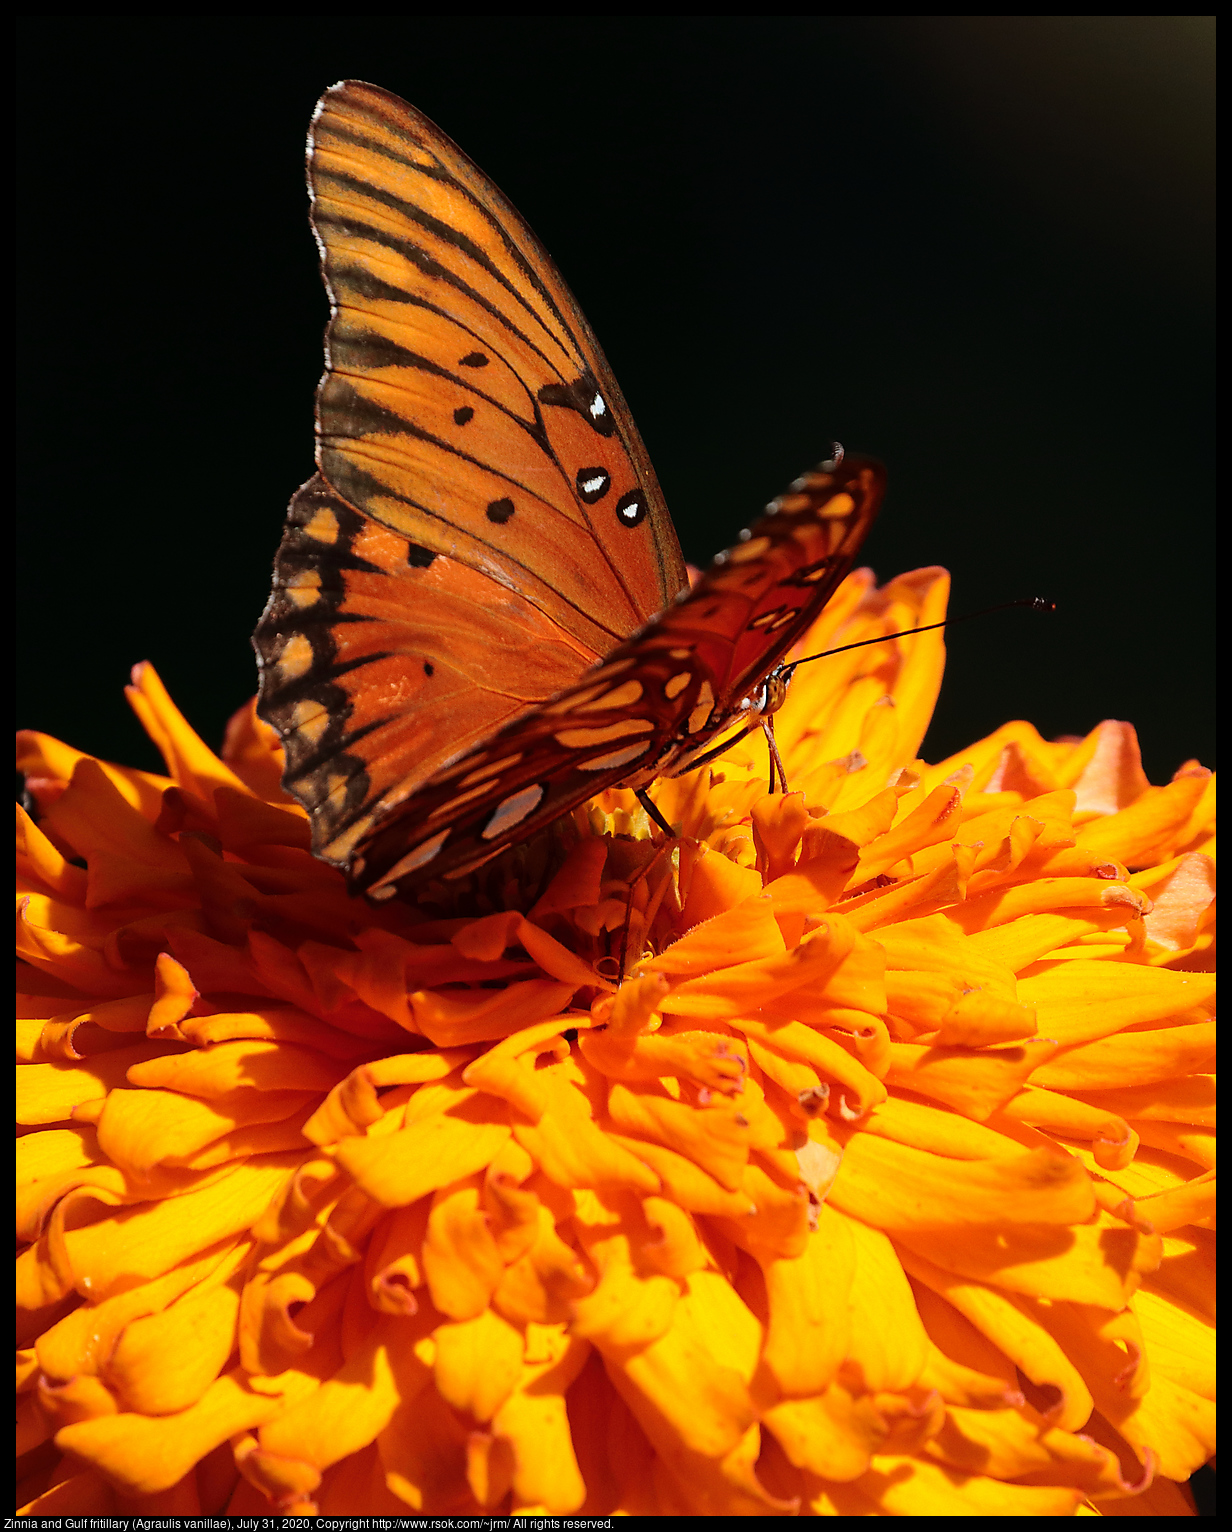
(883, 1184)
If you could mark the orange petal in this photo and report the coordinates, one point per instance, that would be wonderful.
(453, 1020)
(191, 763)
(976, 1081)
(1146, 828)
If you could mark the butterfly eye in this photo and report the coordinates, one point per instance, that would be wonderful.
(631, 508)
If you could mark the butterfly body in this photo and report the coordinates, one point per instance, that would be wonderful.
(480, 615)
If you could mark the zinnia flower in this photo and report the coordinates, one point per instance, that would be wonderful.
(882, 1184)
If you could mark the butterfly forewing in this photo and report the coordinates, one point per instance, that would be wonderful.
(486, 523)
(655, 702)
(467, 404)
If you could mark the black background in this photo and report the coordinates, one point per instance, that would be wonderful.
(976, 247)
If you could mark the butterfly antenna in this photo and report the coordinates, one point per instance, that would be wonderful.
(1035, 603)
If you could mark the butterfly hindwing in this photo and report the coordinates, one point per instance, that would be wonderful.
(654, 703)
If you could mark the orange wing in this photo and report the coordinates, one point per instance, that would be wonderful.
(486, 522)
(654, 704)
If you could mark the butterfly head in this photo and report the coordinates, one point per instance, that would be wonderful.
(770, 696)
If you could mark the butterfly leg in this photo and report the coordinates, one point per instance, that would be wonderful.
(644, 798)
(778, 772)
(652, 904)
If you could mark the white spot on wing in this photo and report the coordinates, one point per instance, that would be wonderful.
(701, 710)
(618, 758)
(597, 406)
(512, 811)
(419, 857)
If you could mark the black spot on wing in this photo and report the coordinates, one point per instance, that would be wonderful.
(631, 508)
(500, 511)
(593, 484)
(583, 396)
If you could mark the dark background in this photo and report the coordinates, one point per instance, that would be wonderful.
(976, 247)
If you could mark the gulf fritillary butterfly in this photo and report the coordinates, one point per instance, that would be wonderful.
(480, 615)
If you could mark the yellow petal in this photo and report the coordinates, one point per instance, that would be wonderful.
(144, 1454)
(1080, 1002)
(832, 1435)
(477, 1363)
(677, 1391)
(889, 1346)
(140, 1129)
(136, 1244)
(461, 1262)
(192, 764)
(83, 1340)
(912, 1487)
(809, 1309)
(1132, 1058)
(165, 1362)
(715, 1136)
(399, 1168)
(1144, 829)
(1014, 1330)
(49, 1092)
(535, 1422)
(352, 1407)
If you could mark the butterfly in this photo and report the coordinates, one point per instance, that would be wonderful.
(480, 614)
